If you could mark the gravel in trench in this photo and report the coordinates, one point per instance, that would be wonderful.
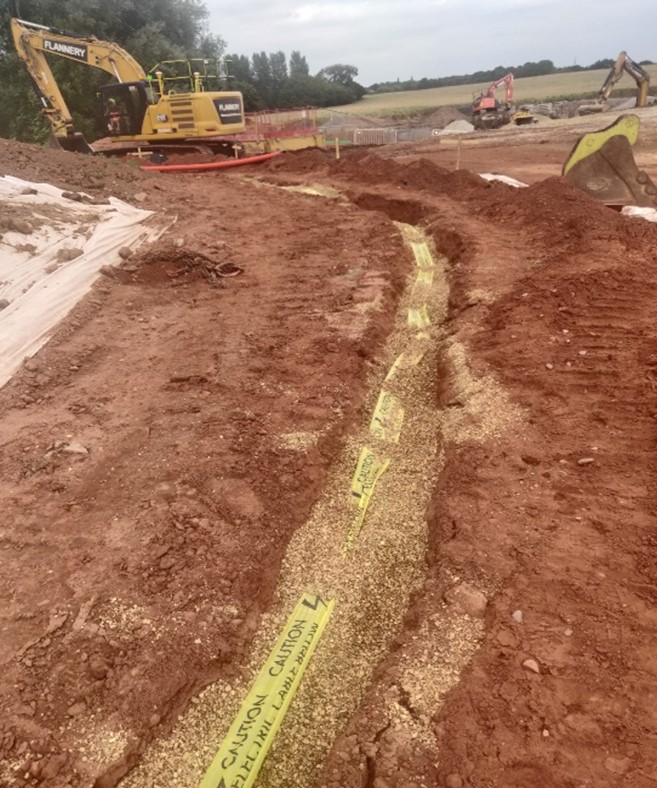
(371, 584)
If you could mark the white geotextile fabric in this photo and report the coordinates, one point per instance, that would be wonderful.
(649, 214)
(492, 176)
(40, 289)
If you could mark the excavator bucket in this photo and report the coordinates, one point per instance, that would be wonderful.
(523, 118)
(601, 164)
(74, 143)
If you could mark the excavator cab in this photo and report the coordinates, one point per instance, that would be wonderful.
(124, 106)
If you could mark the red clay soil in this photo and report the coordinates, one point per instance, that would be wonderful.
(135, 574)
(558, 520)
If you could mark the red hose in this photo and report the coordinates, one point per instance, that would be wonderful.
(214, 165)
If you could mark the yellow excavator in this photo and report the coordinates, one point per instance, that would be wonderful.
(623, 65)
(166, 108)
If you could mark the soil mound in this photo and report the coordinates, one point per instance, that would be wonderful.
(303, 161)
(370, 168)
(443, 116)
(557, 212)
(457, 127)
(96, 175)
(565, 216)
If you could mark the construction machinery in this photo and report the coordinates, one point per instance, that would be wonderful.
(489, 113)
(601, 163)
(169, 106)
(623, 65)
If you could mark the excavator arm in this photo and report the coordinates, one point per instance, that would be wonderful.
(33, 42)
(625, 64)
(507, 82)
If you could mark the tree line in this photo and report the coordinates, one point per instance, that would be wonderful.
(530, 69)
(151, 31)
(271, 80)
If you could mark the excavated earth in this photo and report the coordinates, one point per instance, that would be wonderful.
(215, 412)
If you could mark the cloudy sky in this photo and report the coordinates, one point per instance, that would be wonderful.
(387, 39)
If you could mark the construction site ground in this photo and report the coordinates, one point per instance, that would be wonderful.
(494, 621)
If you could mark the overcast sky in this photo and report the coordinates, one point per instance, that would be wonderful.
(387, 39)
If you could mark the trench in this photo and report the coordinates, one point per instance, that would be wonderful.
(373, 584)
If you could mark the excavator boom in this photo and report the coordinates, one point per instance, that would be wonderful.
(507, 82)
(623, 64)
(32, 38)
(34, 41)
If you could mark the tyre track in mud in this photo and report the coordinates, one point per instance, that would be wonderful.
(582, 574)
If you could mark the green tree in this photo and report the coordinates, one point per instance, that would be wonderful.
(262, 78)
(298, 65)
(239, 67)
(340, 73)
(278, 71)
(150, 30)
(344, 75)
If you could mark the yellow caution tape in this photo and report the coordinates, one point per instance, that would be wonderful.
(422, 254)
(405, 360)
(419, 317)
(245, 747)
(425, 276)
(388, 418)
(368, 471)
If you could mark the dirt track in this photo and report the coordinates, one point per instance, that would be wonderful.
(221, 419)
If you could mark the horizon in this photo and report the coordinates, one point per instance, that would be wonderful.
(388, 41)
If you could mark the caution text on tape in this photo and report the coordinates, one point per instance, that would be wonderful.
(238, 761)
(369, 468)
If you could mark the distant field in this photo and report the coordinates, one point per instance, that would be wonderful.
(540, 88)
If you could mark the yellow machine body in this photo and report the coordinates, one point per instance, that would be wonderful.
(136, 108)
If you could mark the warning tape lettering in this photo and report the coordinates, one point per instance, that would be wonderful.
(368, 471)
(388, 418)
(238, 761)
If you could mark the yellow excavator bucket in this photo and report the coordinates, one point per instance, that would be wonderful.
(602, 164)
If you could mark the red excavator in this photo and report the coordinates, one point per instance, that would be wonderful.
(489, 113)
